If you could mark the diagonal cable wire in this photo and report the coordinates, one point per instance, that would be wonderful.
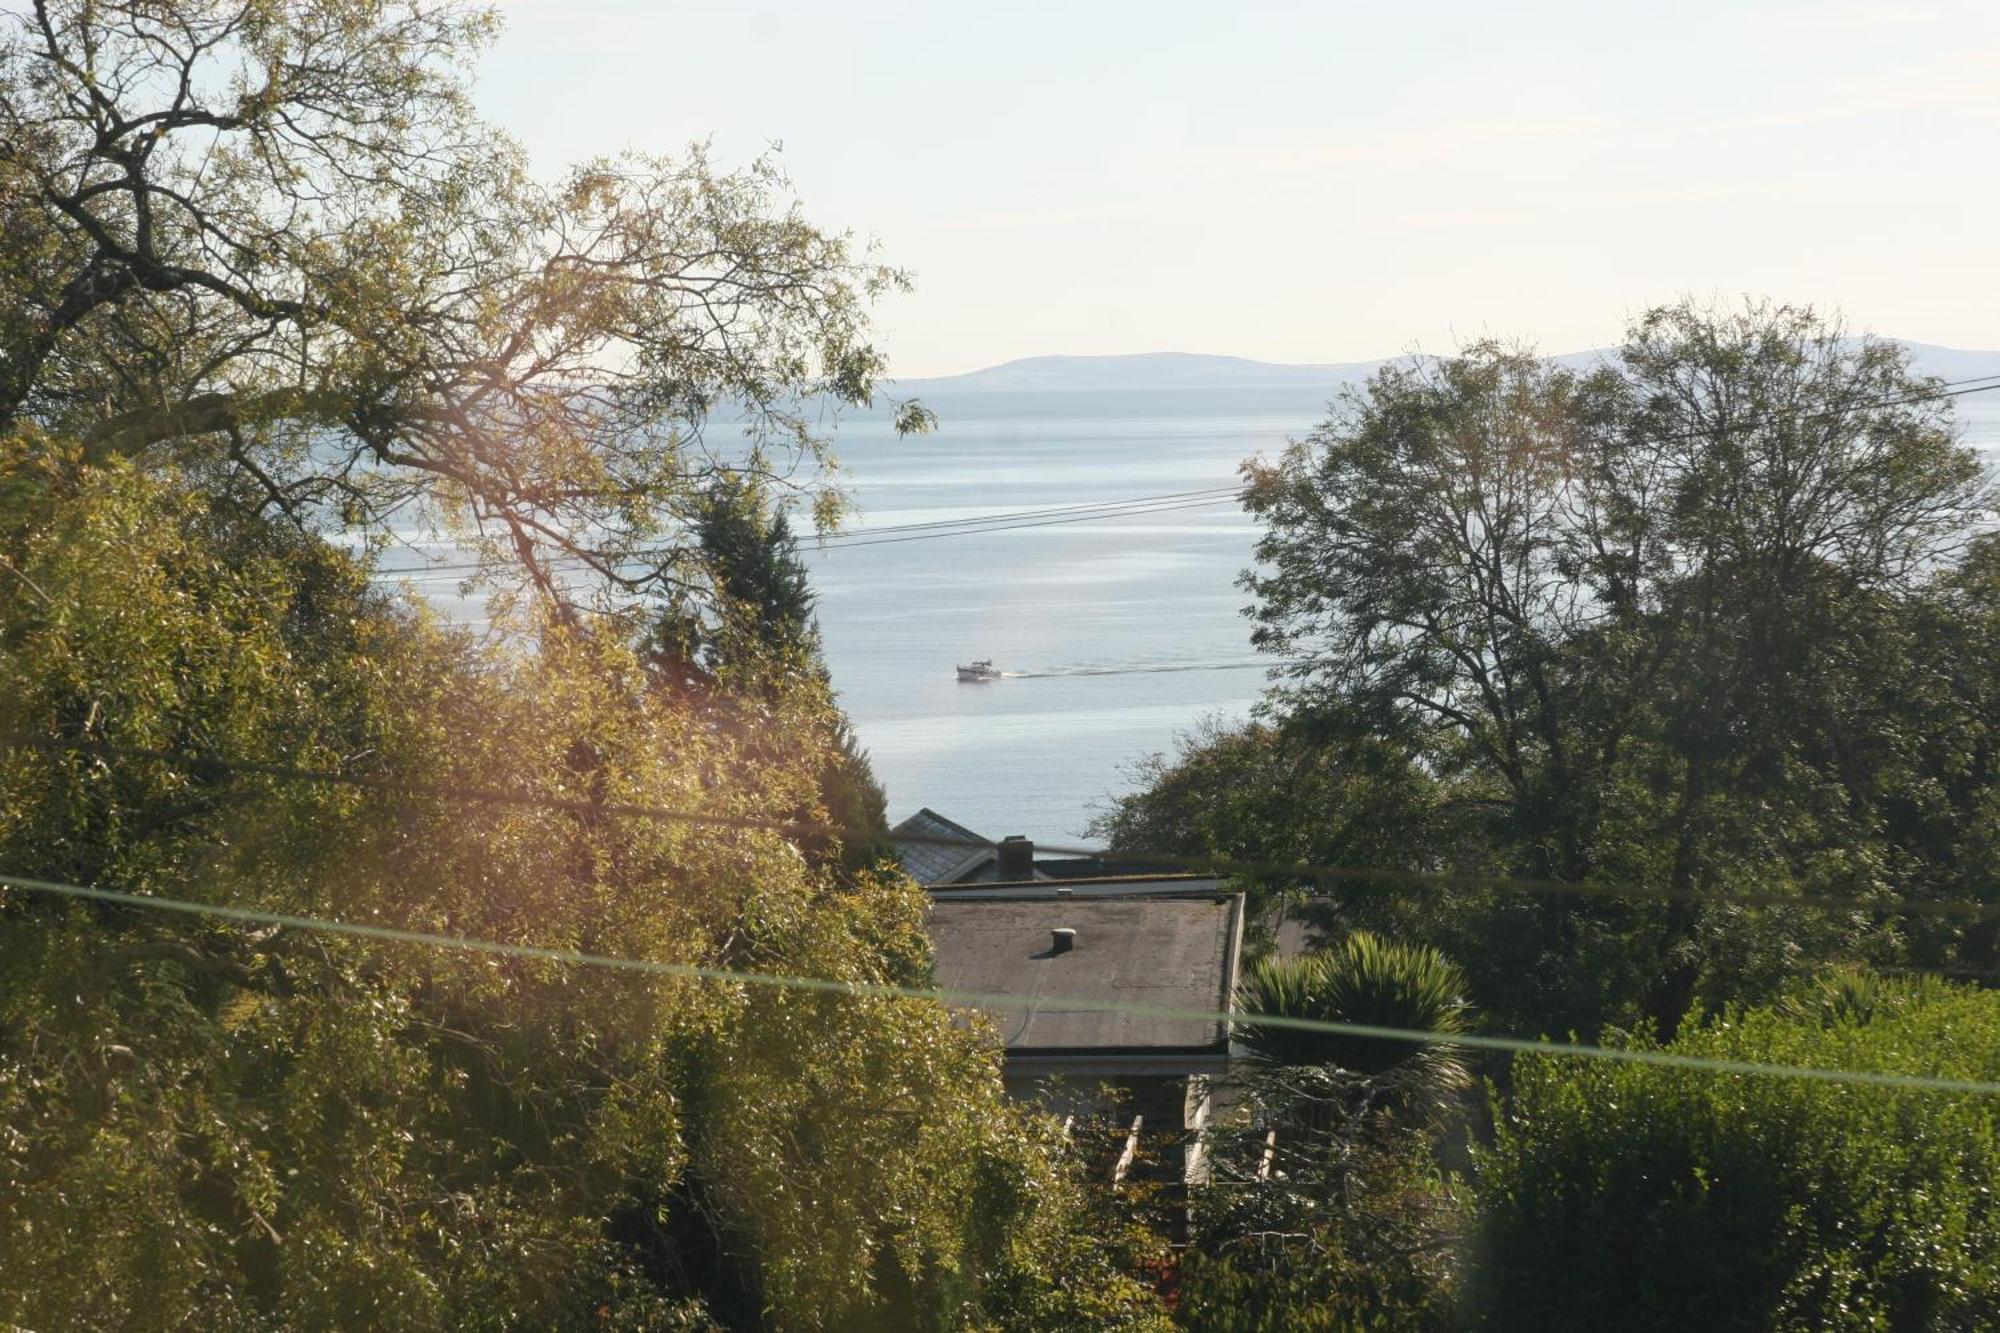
(964, 527)
(991, 1000)
(1009, 516)
(1115, 508)
(1174, 508)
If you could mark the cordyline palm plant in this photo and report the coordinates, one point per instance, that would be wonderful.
(1374, 983)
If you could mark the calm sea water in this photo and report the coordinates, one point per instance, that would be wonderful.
(1130, 629)
(1127, 631)
(1123, 633)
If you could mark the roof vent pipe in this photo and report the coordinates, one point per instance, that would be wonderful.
(1063, 940)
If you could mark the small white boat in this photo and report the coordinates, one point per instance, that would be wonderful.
(980, 670)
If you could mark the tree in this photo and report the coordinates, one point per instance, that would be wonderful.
(265, 275)
(751, 626)
(1624, 613)
(1293, 789)
(251, 1127)
(1326, 1206)
(274, 243)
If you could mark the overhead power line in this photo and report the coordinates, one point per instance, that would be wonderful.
(1000, 522)
(994, 1000)
(1945, 389)
(1014, 515)
(1369, 877)
(1043, 523)
(1004, 522)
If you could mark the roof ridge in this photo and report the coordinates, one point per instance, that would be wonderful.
(925, 812)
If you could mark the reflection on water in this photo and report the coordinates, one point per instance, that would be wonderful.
(1088, 612)
(1075, 607)
(1123, 632)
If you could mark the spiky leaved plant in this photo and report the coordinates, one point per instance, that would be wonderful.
(1370, 982)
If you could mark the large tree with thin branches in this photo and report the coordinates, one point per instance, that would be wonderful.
(271, 241)
(1647, 622)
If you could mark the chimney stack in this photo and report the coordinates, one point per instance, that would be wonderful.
(1017, 858)
(1063, 940)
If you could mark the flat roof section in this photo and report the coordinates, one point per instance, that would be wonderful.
(1121, 886)
(1169, 952)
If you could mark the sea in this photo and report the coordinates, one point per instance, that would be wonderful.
(1117, 636)
(1114, 637)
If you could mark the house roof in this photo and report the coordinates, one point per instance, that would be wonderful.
(1042, 886)
(1159, 951)
(933, 849)
(937, 851)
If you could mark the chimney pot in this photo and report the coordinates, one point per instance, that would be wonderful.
(1064, 939)
(1016, 858)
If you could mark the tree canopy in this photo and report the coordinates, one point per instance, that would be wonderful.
(274, 242)
(1697, 620)
(248, 1126)
(267, 279)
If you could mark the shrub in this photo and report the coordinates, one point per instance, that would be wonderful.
(1367, 981)
(1643, 1197)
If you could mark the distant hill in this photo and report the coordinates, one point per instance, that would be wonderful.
(1159, 371)
(1145, 370)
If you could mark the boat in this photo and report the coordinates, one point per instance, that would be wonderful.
(980, 670)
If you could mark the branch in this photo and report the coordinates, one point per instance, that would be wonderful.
(131, 433)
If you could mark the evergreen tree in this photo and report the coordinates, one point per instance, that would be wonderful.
(753, 627)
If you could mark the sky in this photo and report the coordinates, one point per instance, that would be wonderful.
(1319, 182)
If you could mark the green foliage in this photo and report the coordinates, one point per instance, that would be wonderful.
(244, 1128)
(1708, 619)
(278, 246)
(1325, 1207)
(751, 611)
(1361, 980)
(750, 630)
(1326, 1269)
(855, 800)
(1277, 793)
(1639, 1197)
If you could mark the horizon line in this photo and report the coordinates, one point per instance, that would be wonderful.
(1325, 365)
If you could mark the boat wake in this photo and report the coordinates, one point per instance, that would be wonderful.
(1143, 668)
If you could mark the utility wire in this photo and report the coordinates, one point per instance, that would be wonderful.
(1945, 389)
(865, 537)
(1001, 522)
(1010, 516)
(990, 1000)
(1375, 877)
(1044, 523)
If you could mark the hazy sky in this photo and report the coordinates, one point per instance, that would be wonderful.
(1321, 182)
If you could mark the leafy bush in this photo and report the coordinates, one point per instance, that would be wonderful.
(1354, 1226)
(1643, 1197)
(1367, 981)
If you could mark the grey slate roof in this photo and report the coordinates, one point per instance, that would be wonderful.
(938, 862)
(1175, 952)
